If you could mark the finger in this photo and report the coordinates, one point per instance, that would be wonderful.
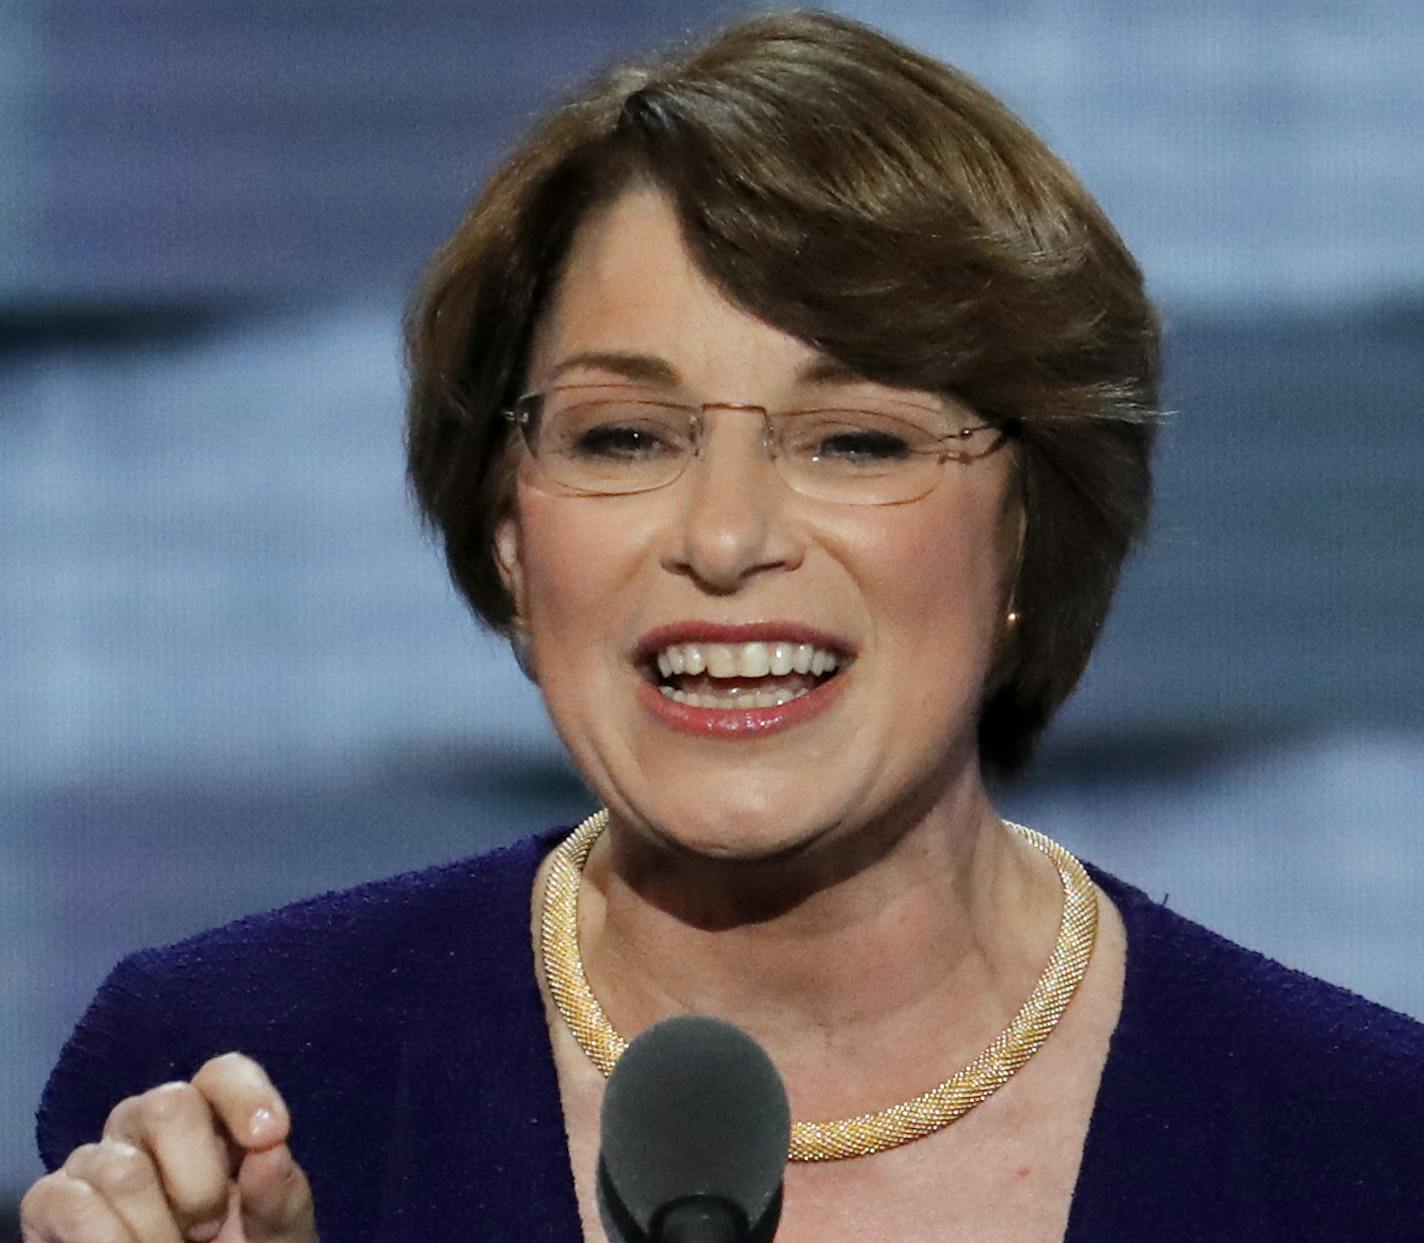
(276, 1198)
(60, 1209)
(128, 1181)
(240, 1093)
(174, 1125)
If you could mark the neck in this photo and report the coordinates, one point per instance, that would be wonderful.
(838, 956)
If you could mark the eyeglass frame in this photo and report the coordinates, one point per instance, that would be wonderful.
(521, 417)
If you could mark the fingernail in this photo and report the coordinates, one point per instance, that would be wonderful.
(262, 1121)
(208, 1230)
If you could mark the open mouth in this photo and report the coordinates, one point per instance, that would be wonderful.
(732, 676)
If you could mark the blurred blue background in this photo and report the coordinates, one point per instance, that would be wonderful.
(232, 672)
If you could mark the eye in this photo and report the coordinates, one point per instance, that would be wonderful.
(863, 446)
(850, 440)
(618, 440)
(617, 432)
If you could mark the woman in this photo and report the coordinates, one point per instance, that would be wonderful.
(788, 404)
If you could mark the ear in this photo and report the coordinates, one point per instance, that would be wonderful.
(508, 556)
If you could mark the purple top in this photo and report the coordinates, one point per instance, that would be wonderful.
(402, 1023)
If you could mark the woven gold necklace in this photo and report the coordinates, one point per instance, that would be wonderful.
(866, 1133)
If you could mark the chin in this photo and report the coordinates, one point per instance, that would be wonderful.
(744, 829)
(749, 848)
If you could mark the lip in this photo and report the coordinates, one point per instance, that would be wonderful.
(738, 722)
(651, 643)
(735, 723)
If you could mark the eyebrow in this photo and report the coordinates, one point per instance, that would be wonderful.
(649, 368)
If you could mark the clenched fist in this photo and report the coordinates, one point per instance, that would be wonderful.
(206, 1160)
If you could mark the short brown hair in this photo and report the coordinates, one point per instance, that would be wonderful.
(880, 206)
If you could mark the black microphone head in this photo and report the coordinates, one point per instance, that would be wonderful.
(694, 1108)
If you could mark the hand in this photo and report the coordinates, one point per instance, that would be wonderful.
(204, 1161)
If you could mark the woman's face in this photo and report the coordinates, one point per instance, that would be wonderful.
(908, 598)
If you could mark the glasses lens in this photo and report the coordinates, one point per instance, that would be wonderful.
(597, 440)
(863, 457)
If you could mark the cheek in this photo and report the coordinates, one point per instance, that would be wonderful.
(936, 573)
(941, 596)
(577, 554)
(559, 576)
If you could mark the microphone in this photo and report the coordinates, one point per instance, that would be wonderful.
(696, 1130)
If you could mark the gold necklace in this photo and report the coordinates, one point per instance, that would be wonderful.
(866, 1133)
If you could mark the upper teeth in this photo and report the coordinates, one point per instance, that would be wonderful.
(745, 660)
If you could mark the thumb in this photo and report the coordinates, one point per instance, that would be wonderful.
(276, 1198)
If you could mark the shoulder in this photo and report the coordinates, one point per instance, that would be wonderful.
(1272, 1095)
(456, 916)
(1196, 981)
(318, 991)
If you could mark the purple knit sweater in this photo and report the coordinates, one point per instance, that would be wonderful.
(401, 1021)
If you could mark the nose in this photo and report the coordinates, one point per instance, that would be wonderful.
(734, 520)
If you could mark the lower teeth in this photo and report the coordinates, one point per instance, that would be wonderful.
(762, 699)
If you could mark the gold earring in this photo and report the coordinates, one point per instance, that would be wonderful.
(1012, 619)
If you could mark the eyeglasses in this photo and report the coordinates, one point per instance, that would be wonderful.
(614, 440)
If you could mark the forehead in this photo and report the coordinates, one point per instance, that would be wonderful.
(629, 284)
